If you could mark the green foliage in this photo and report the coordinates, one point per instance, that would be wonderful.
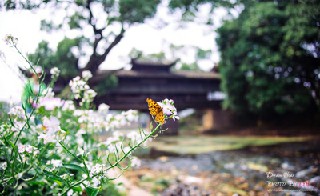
(111, 20)
(136, 11)
(189, 66)
(4, 107)
(63, 58)
(270, 60)
(107, 84)
(43, 49)
(74, 21)
(203, 54)
(135, 53)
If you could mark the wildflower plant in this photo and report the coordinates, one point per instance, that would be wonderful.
(53, 149)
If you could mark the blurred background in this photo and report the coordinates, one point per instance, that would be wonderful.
(244, 75)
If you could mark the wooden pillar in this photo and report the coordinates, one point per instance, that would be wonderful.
(216, 120)
(208, 120)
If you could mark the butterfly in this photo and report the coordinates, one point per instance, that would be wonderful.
(156, 111)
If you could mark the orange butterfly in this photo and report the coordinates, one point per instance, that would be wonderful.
(156, 111)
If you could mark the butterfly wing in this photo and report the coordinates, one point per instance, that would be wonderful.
(156, 111)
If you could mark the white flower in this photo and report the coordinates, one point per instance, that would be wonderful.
(29, 149)
(56, 162)
(70, 193)
(103, 108)
(96, 182)
(81, 132)
(51, 124)
(78, 112)
(131, 116)
(17, 111)
(121, 119)
(50, 103)
(82, 119)
(134, 136)
(37, 70)
(88, 95)
(68, 105)
(80, 141)
(48, 93)
(79, 87)
(47, 138)
(168, 108)
(10, 40)
(25, 148)
(54, 72)
(3, 165)
(17, 125)
(96, 169)
(21, 148)
(86, 75)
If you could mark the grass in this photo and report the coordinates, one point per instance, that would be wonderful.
(204, 144)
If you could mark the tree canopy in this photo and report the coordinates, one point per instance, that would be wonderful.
(270, 58)
(99, 25)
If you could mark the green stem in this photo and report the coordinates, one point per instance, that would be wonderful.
(27, 60)
(116, 163)
(68, 151)
(81, 160)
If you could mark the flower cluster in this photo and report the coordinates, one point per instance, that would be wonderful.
(80, 88)
(77, 86)
(48, 93)
(86, 75)
(120, 120)
(58, 148)
(51, 126)
(50, 103)
(103, 108)
(54, 72)
(17, 117)
(88, 96)
(68, 105)
(169, 109)
(11, 40)
(18, 112)
(27, 148)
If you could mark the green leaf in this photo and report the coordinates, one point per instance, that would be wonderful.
(151, 125)
(54, 177)
(73, 166)
(77, 188)
(50, 146)
(42, 110)
(9, 136)
(91, 191)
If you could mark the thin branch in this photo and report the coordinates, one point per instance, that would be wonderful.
(96, 60)
(114, 43)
